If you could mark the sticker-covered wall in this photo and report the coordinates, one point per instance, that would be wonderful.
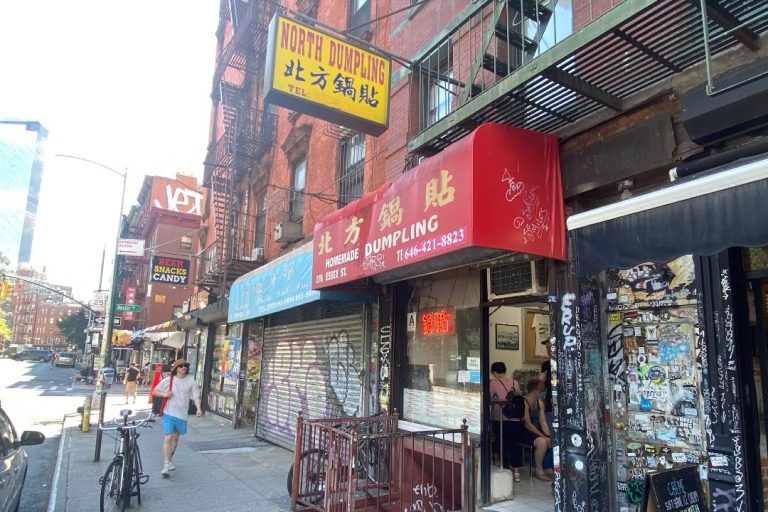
(656, 401)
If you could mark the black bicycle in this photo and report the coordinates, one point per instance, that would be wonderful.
(125, 475)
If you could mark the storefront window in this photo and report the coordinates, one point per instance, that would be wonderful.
(442, 381)
(192, 344)
(226, 358)
(200, 372)
(225, 368)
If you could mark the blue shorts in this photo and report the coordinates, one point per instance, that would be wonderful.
(172, 424)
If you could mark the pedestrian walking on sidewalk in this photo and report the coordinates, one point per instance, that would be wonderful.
(130, 382)
(179, 389)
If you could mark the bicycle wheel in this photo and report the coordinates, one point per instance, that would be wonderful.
(312, 477)
(112, 497)
(138, 472)
(373, 461)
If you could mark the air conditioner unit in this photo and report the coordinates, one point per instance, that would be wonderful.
(287, 232)
(517, 279)
(257, 254)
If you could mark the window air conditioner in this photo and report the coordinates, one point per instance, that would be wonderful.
(517, 279)
(287, 232)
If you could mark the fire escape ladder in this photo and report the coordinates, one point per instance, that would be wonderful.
(504, 46)
(246, 134)
(221, 209)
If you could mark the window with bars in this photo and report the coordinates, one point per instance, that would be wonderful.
(351, 168)
(296, 202)
(437, 85)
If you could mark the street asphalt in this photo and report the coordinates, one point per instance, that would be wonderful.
(218, 468)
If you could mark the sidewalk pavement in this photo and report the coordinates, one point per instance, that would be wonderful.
(218, 468)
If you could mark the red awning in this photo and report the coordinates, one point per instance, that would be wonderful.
(497, 190)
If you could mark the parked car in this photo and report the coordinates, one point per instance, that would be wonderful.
(33, 355)
(13, 469)
(66, 359)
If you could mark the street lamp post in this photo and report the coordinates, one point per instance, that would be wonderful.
(106, 346)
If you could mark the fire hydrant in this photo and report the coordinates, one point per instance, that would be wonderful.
(85, 418)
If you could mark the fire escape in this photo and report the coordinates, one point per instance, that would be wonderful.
(243, 136)
(544, 65)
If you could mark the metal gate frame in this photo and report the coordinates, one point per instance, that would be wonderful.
(368, 463)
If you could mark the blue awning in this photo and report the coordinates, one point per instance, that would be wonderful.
(283, 283)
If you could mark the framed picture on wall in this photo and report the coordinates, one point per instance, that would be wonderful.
(535, 330)
(507, 337)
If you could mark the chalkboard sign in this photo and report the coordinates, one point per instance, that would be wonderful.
(675, 490)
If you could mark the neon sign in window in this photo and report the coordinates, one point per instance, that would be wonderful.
(437, 322)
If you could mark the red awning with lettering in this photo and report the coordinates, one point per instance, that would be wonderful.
(497, 190)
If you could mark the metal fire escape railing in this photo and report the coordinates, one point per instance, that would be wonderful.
(543, 65)
(247, 134)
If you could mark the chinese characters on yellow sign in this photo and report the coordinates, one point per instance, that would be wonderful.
(314, 72)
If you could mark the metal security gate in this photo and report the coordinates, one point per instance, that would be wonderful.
(314, 367)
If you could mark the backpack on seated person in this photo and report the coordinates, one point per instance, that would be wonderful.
(515, 406)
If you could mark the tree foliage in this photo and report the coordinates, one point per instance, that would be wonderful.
(72, 327)
(5, 331)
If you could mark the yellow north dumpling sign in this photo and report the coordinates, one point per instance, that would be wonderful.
(312, 72)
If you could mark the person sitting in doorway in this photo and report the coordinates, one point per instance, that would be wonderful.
(536, 431)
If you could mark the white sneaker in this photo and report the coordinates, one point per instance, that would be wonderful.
(171, 466)
(166, 470)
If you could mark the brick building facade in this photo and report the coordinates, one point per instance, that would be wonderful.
(36, 310)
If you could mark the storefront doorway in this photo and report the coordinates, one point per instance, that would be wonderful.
(518, 337)
(451, 338)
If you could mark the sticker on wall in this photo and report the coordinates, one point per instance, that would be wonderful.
(411, 326)
(656, 374)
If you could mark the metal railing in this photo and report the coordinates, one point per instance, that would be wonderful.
(368, 463)
(492, 42)
(543, 73)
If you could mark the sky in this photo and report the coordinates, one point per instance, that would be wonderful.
(125, 84)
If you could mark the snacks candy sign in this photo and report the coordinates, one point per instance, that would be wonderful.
(313, 72)
(169, 270)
